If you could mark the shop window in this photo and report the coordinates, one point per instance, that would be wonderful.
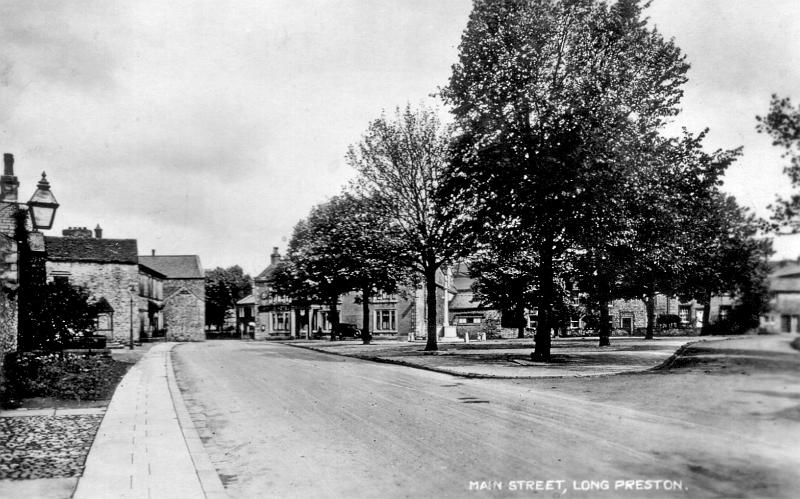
(280, 321)
(684, 311)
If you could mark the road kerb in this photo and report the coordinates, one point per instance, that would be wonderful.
(206, 473)
(461, 374)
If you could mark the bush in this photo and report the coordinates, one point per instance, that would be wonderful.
(61, 376)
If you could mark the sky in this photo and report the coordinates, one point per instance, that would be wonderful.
(211, 127)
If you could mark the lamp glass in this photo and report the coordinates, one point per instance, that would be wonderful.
(42, 216)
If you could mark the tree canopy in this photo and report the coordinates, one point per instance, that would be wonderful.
(401, 162)
(343, 245)
(550, 99)
(782, 123)
(224, 287)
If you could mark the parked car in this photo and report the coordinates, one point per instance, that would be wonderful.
(344, 330)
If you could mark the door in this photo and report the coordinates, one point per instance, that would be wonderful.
(627, 324)
(698, 317)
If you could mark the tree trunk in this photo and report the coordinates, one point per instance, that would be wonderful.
(706, 314)
(365, 334)
(605, 318)
(430, 305)
(650, 303)
(521, 322)
(541, 349)
(333, 315)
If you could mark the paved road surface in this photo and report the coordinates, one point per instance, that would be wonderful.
(285, 422)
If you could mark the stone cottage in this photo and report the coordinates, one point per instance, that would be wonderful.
(108, 269)
(184, 289)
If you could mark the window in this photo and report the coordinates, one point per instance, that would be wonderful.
(385, 320)
(469, 320)
(724, 312)
(103, 322)
(683, 313)
(574, 323)
(61, 279)
(321, 320)
(280, 321)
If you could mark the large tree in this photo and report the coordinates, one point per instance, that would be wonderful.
(344, 245)
(678, 180)
(549, 97)
(401, 161)
(372, 245)
(782, 123)
(504, 277)
(731, 258)
(313, 270)
(224, 287)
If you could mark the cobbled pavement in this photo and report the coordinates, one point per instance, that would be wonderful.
(46, 446)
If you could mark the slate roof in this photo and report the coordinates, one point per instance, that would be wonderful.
(175, 266)
(463, 301)
(85, 249)
(264, 275)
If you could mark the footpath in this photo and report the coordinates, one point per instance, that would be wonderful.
(570, 357)
(146, 446)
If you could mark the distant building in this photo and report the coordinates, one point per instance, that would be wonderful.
(184, 290)
(784, 285)
(402, 315)
(246, 316)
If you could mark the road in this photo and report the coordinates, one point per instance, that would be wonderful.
(279, 421)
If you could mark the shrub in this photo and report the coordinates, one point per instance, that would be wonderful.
(62, 376)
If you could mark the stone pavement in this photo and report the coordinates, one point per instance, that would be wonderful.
(42, 451)
(146, 446)
(570, 357)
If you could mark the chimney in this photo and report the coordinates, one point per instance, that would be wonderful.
(8, 182)
(98, 232)
(275, 257)
(80, 232)
(153, 252)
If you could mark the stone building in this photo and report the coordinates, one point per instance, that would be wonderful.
(184, 291)
(274, 317)
(784, 313)
(8, 258)
(108, 269)
(401, 315)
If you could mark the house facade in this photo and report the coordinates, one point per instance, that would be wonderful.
(151, 304)
(401, 315)
(108, 269)
(784, 310)
(183, 291)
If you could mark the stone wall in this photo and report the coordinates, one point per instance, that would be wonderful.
(184, 316)
(8, 281)
(112, 281)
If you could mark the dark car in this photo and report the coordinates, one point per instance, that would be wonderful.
(344, 330)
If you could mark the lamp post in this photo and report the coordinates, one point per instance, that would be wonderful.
(133, 289)
(41, 209)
